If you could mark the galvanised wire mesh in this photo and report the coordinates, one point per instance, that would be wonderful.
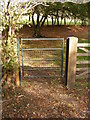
(42, 57)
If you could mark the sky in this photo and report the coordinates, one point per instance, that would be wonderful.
(53, 0)
(49, 1)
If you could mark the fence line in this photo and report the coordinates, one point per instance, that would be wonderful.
(85, 70)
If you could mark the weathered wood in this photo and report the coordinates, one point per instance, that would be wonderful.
(83, 62)
(0, 80)
(86, 70)
(82, 74)
(85, 50)
(17, 72)
(0, 64)
(71, 61)
(83, 69)
(83, 54)
(83, 45)
(17, 78)
(0, 60)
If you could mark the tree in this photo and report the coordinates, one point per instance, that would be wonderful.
(41, 12)
(11, 15)
(83, 13)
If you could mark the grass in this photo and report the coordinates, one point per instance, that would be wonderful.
(26, 21)
(87, 48)
(88, 85)
(83, 41)
(67, 22)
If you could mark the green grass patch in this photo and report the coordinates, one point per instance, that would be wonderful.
(80, 51)
(88, 84)
(83, 58)
(82, 65)
(87, 48)
(82, 40)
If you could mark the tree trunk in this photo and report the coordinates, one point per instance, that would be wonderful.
(7, 32)
(57, 18)
(61, 20)
(52, 20)
(37, 32)
(83, 23)
(29, 17)
(55, 21)
(47, 21)
(70, 21)
(64, 21)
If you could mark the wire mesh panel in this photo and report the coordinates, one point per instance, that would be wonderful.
(42, 57)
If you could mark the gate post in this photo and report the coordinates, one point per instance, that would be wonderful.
(18, 72)
(71, 54)
(0, 79)
(18, 81)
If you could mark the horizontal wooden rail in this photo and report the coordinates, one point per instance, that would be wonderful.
(83, 45)
(83, 54)
(84, 74)
(85, 50)
(83, 62)
(83, 69)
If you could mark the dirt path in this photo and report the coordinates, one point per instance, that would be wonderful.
(54, 100)
(42, 98)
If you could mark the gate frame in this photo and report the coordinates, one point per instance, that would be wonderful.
(50, 39)
(70, 65)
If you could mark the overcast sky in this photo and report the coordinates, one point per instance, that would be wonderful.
(54, 0)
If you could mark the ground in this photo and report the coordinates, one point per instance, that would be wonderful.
(47, 98)
(57, 31)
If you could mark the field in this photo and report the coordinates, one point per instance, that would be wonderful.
(48, 98)
(58, 31)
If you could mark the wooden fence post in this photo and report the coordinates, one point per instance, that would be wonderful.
(0, 74)
(71, 54)
(0, 59)
(17, 72)
(0, 79)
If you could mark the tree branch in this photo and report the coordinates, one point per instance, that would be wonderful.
(44, 21)
(33, 19)
(31, 7)
(41, 18)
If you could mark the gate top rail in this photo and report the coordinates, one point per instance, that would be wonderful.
(42, 38)
(42, 49)
(83, 45)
